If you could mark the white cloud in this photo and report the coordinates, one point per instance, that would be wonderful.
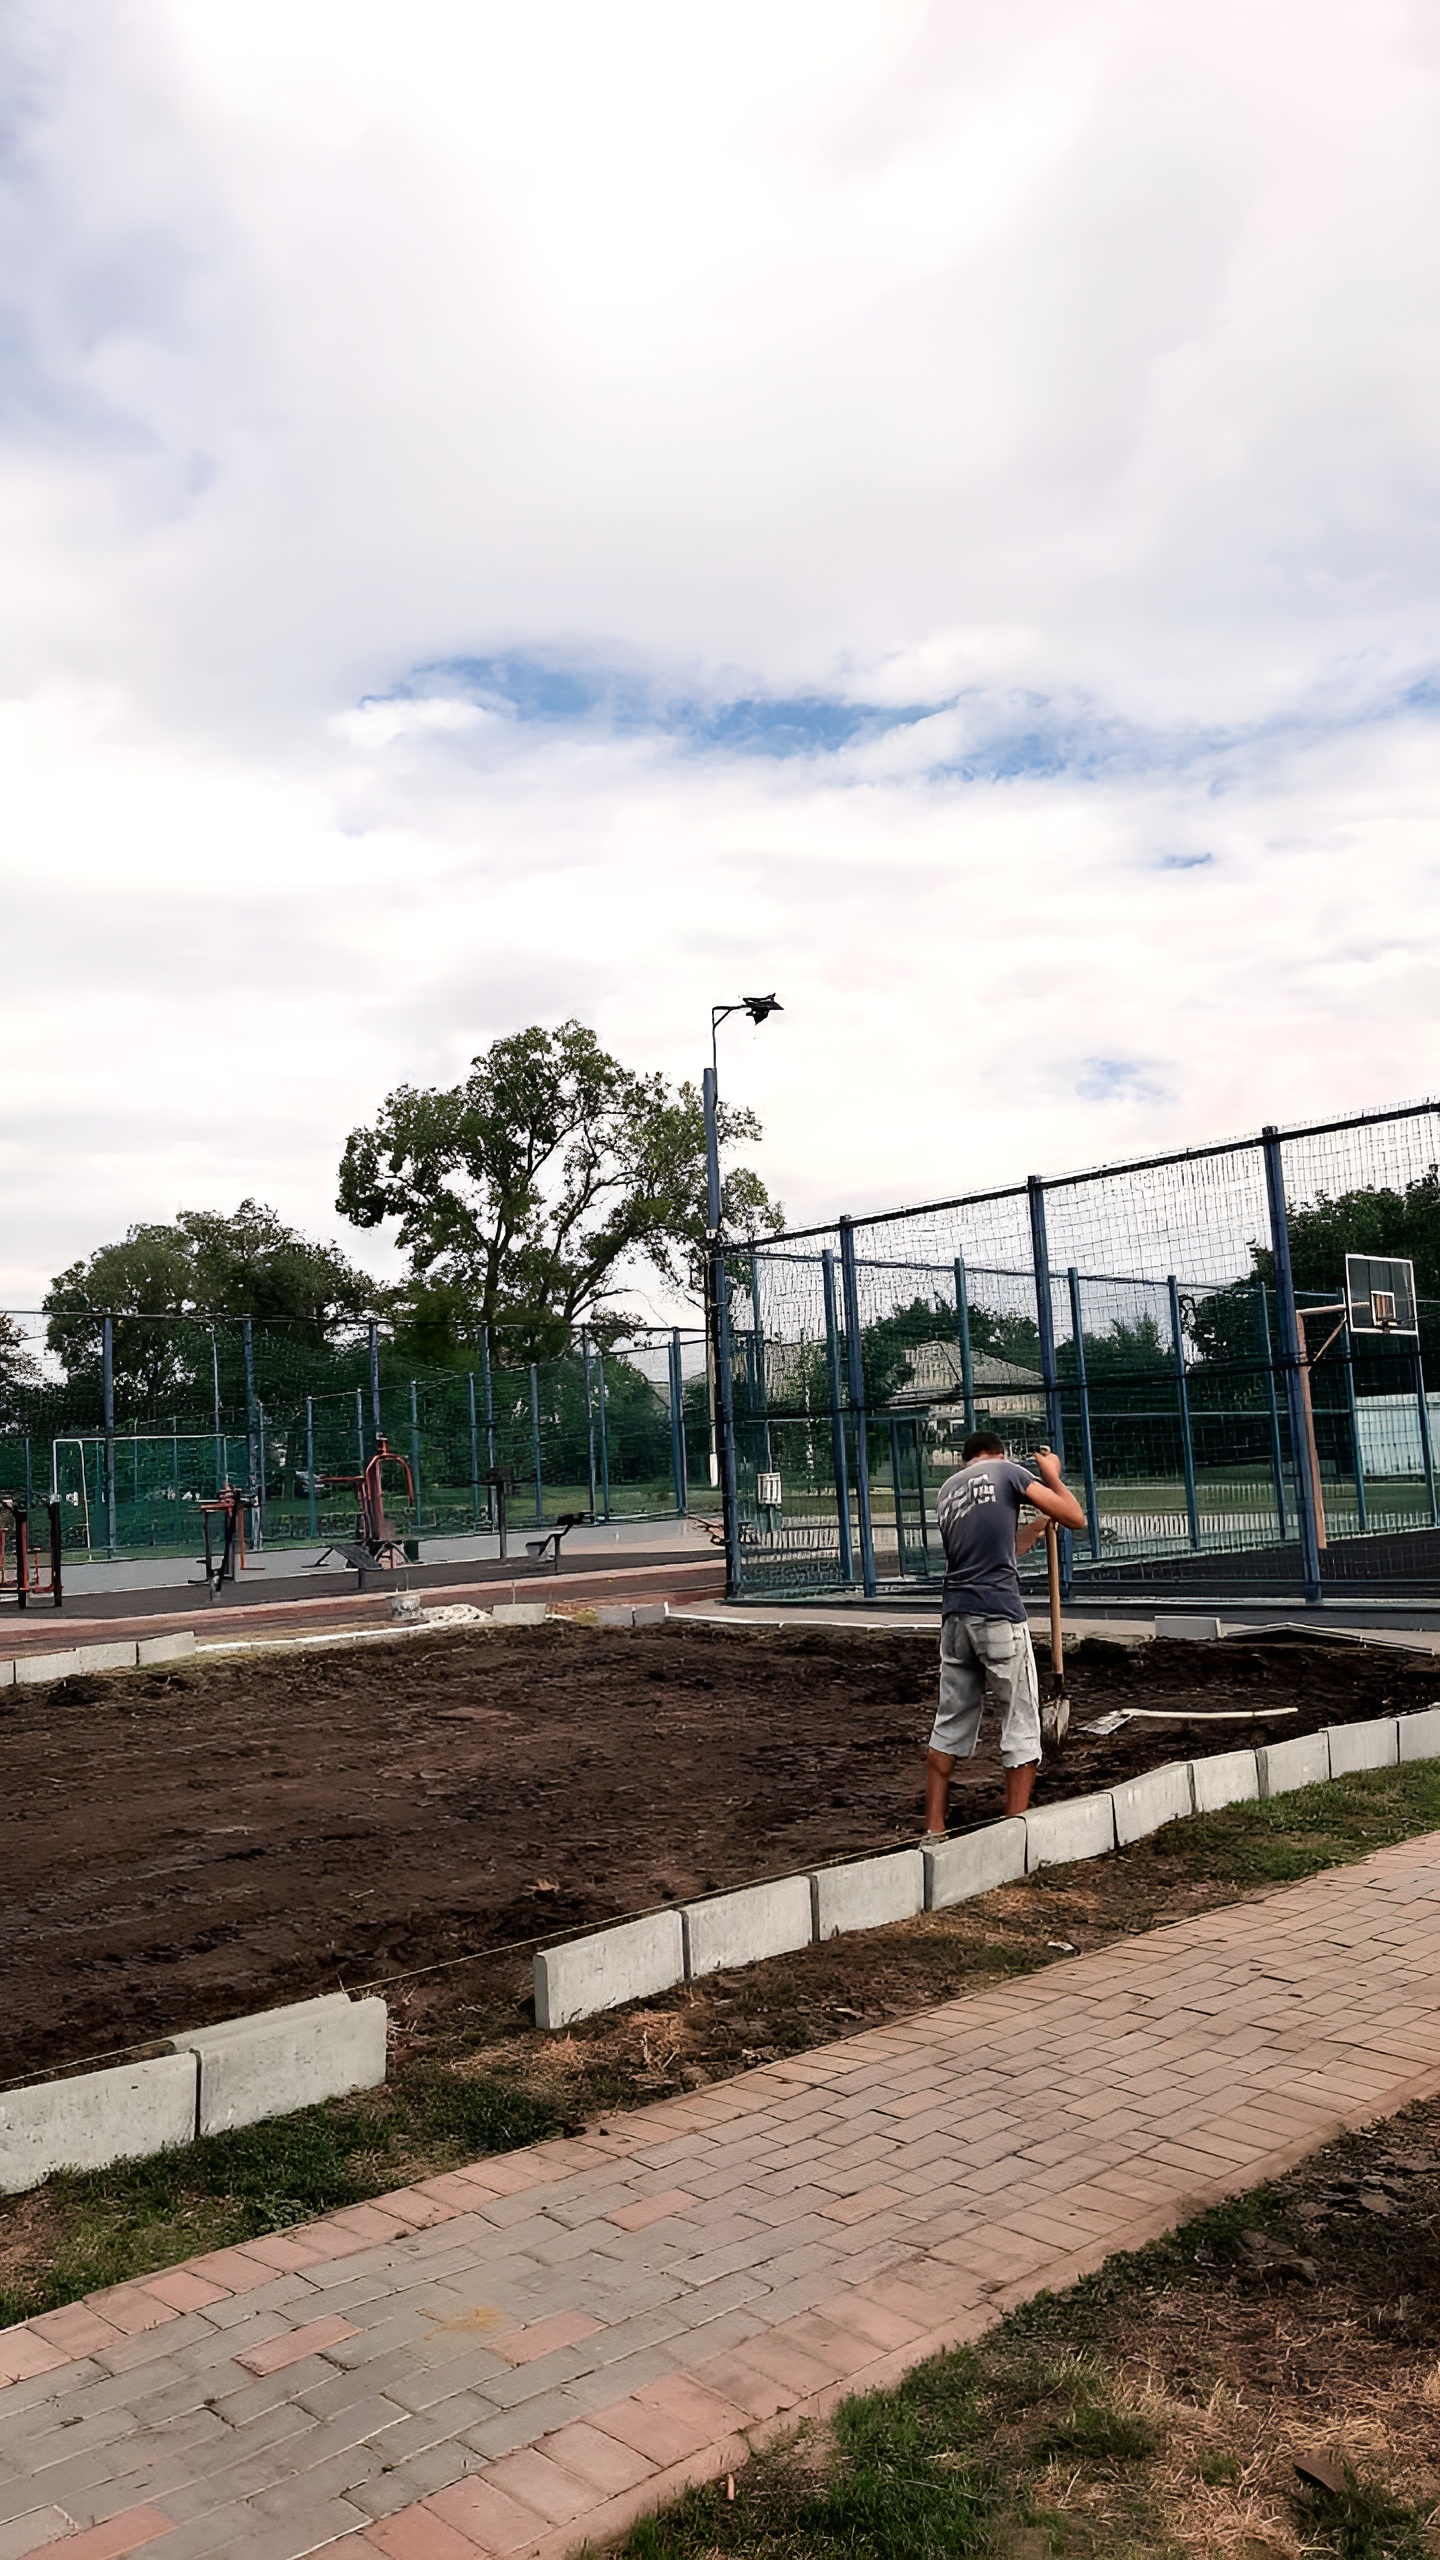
(1071, 370)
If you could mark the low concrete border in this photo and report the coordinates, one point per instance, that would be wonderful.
(126, 2113)
(870, 1893)
(1304, 1761)
(626, 1963)
(956, 1870)
(1146, 1803)
(280, 2060)
(743, 1928)
(124, 1653)
(212, 2080)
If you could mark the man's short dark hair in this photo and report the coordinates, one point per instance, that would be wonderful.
(982, 1444)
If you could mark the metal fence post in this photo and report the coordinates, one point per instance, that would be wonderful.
(1087, 1446)
(1182, 1399)
(489, 1421)
(360, 1430)
(374, 1377)
(415, 1450)
(222, 1461)
(677, 1426)
(1050, 1376)
(759, 1384)
(535, 1439)
(247, 1337)
(1277, 1453)
(107, 1392)
(1362, 1518)
(967, 1362)
(1289, 1326)
(310, 1465)
(474, 1451)
(855, 1362)
(725, 1419)
(589, 1420)
(604, 1439)
(837, 1417)
(260, 1479)
(1427, 1451)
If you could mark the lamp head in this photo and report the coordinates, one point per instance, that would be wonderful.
(760, 1008)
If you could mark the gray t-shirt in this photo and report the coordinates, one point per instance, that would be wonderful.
(979, 1512)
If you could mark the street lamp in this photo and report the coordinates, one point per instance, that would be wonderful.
(759, 1009)
(717, 1327)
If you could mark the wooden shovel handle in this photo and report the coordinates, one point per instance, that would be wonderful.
(1057, 1639)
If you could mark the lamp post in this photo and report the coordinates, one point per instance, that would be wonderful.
(717, 1328)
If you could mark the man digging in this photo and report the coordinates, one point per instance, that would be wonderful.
(985, 1648)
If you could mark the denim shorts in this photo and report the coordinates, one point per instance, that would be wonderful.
(987, 1661)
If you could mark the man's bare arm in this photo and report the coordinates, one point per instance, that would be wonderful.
(1048, 1494)
(1028, 1537)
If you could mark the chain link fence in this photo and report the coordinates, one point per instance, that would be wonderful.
(134, 1421)
(1169, 1326)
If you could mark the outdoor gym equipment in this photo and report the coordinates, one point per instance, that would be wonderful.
(374, 1547)
(231, 1506)
(565, 1521)
(15, 1525)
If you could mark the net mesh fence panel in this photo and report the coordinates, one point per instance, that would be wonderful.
(1128, 1315)
(291, 1421)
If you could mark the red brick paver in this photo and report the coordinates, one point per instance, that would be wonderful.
(528, 2353)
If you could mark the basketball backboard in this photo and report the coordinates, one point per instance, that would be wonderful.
(1380, 1294)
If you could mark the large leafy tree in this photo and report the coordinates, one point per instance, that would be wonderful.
(524, 1195)
(204, 1264)
(1374, 1219)
(19, 1375)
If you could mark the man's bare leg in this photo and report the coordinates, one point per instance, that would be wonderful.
(1018, 1783)
(938, 1765)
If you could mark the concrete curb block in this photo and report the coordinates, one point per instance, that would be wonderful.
(125, 2113)
(868, 1892)
(1302, 1762)
(209, 2082)
(603, 1972)
(283, 2059)
(44, 1666)
(107, 1657)
(743, 1928)
(1083, 1827)
(174, 1648)
(124, 1654)
(520, 1613)
(1420, 1734)
(1364, 1746)
(1230, 1777)
(975, 1863)
(1146, 1803)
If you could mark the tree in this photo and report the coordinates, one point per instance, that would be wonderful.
(1372, 1220)
(19, 1375)
(204, 1265)
(523, 1192)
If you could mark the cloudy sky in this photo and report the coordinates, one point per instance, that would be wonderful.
(513, 512)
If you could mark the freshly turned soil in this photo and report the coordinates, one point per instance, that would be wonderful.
(188, 1844)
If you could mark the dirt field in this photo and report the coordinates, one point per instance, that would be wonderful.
(183, 1845)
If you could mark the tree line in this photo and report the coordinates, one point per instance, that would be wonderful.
(524, 1199)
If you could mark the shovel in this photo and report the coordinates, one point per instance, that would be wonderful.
(1055, 1712)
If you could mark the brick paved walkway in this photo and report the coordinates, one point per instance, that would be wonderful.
(515, 2356)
